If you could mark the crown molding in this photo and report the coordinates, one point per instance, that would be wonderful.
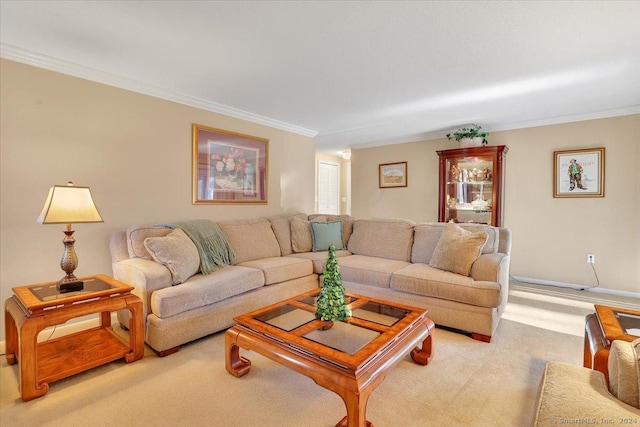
(54, 64)
(582, 117)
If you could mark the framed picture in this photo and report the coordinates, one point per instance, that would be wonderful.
(229, 167)
(391, 175)
(578, 173)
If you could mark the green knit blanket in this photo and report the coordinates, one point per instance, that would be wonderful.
(213, 247)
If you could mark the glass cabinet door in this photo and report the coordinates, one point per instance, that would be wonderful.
(471, 187)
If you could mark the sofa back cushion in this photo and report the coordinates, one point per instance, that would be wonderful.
(136, 235)
(251, 239)
(427, 235)
(281, 226)
(347, 223)
(624, 371)
(382, 238)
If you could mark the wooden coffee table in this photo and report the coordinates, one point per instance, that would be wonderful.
(602, 328)
(350, 358)
(36, 307)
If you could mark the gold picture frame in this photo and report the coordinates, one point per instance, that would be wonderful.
(392, 175)
(578, 173)
(229, 167)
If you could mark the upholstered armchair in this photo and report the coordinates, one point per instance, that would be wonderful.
(575, 395)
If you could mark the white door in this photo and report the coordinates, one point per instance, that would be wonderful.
(328, 188)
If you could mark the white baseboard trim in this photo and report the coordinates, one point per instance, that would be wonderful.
(65, 329)
(578, 287)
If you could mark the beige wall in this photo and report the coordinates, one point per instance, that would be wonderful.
(134, 151)
(551, 237)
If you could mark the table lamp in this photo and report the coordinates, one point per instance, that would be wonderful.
(68, 204)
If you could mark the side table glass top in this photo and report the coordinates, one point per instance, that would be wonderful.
(49, 292)
(630, 323)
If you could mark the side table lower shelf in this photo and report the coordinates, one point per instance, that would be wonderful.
(71, 354)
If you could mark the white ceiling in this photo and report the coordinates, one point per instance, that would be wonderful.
(352, 74)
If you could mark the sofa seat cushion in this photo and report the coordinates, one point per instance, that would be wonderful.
(318, 259)
(369, 270)
(201, 290)
(424, 280)
(281, 269)
(572, 393)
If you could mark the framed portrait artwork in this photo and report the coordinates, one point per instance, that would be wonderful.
(229, 167)
(392, 175)
(578, 173)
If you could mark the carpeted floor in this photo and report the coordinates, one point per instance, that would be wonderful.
(468, 383)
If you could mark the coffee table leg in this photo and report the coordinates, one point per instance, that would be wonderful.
(236, 365)
(422, 356)
(356, 404)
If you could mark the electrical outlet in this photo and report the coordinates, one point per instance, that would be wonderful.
(591, 258)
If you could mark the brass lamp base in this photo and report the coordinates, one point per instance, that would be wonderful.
(68, 263)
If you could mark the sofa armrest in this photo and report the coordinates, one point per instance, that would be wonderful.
(570, 393)
(494, 268)
(145, 276)
(487, 267)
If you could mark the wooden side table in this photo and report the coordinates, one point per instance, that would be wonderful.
(601, 329)
(36, 307)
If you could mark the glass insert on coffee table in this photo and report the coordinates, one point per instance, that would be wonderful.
(349, 358)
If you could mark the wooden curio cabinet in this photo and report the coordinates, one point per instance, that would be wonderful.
(471, 185)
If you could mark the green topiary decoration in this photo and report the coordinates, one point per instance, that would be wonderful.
(331, 304)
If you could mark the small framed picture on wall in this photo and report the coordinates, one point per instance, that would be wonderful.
(392, 175)
(578, 173)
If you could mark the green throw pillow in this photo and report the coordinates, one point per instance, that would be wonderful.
(326, 234)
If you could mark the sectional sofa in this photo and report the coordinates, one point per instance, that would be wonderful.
(282, 256)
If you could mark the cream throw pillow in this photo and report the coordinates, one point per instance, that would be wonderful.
(624, 371)
(457, 249)
(177, 252)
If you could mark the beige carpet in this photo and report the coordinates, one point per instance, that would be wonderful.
(468, 383)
